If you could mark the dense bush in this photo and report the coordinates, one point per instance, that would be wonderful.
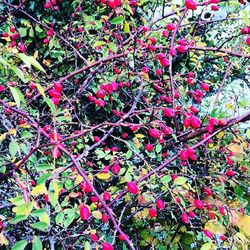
(124, 124)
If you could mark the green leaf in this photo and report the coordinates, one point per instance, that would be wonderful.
(54, 193)
(126, 27)
(30, 60)
(117, 20)
(13, 148)
(39, 212)
(180, 180)
(248, 133)
(50, 104)
(87, 245)
(42, 226)
(59, 218)
(24, 209)
(128, 176)
(98, 24)
(129, 154)
(17, 219)
(113, 47)
(22, 32)
(36, 64)
(43, 178)
(44, 167)
(37, 243)
(25, 59)
(20, 245)
(17, 201)
(70, 217)
(18, 96)
(38, 29)
(40, 89)
(166, 179)
(19, 73)
(208, 246)
(99, 43)
(158, 148)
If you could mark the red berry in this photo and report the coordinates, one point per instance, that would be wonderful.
(86, 188)
(55, 100)
(12, 29)
(105, 218)
(94, 237)
(230, 173)
(154, 133)
(152, 212)
(107, 246)
(46, 198)
(174, 177)
(191, 4)
(116, 169)
(149, 147)
(248, 41)
(101, 93)
(214, 7)
(191, 214)
(205, 87)
(160, 204)
(184, 155)
(54, 93)
(222, 122)
(106, 196)
(2, 88)
(194, 109)
(198, 204)
(195, 122)
(222, 210)
(122, 237)
(46, 41)
(58, 86)
(94, 199)
(186, 122)
(208, 191)
(208, 234)
(84, 212)
(5, 34)
(47, 5)
(168, 112)
(170, 26)
(132, 188)
(244, 30)
(182, 48)
(164, 62)
(223, 237)
(184, 218)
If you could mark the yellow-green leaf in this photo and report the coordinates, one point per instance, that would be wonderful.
(208, 246)
(180, 180)
(24, 209)
(215, 227)
(97, 214)
(38, 190)
(103, 176)
(126, 27)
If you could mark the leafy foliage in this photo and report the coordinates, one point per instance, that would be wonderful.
(124, 124)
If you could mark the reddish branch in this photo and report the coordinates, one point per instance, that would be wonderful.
(171, 78)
